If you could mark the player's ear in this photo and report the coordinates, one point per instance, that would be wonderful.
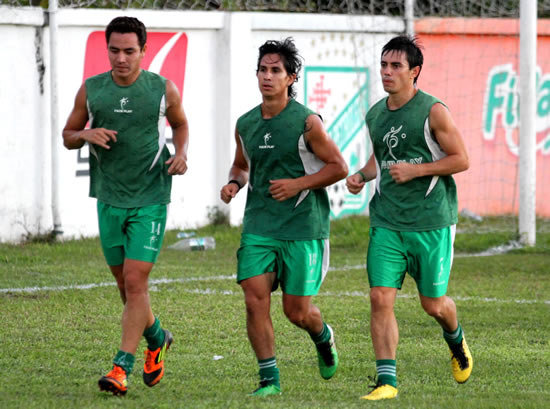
(144, 48)
(291, 79)
(415, 71)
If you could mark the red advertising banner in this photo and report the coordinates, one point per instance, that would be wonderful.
(473, 66)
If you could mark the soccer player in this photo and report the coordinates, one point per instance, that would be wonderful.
(131, 176)
(413, 213)
(287, 158)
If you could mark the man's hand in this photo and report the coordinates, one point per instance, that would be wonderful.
(178, 165)
(228, 192)
(283, 189)
(403, 172)
(99, 136)
(355, 183)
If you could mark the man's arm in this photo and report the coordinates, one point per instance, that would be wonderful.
(238, 174)
(449, 139)
(180, 130)
(355, 182)
(74, 134)
(325, 149)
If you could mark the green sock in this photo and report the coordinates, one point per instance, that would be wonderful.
(386, 371)
(154, 335)
(125, 360)
(454, 337)
(323, 336)
(269, 371)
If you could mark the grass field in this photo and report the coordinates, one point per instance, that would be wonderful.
(59, 334)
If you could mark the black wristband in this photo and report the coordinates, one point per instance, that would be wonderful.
(236, 182)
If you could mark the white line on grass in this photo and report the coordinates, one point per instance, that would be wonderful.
(151, 282)
(490, 252)
(209, 291)
(361, 294)
(110, 284)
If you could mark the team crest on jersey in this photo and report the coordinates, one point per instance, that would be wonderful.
(266, 145)
(123, 102)
(392, 139)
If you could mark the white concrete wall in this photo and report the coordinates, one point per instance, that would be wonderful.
(24, 124)
(220, 85)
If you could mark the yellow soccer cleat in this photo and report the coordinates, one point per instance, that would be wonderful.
(461, 361)
(381, 392)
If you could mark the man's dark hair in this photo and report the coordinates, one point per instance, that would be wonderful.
(410, 46)
(127, 25)
(288, 52)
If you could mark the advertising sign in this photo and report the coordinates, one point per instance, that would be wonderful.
(476, 75)
(327, 91)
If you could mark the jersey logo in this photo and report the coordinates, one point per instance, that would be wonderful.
(122, 110)
(392, 139)
(267, 137)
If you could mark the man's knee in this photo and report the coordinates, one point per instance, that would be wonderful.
(296, 316)
(382, 298)
(133, 284)
(135, 277)
(253, 302)
(434, 307)
(256, 301)
(257, 292)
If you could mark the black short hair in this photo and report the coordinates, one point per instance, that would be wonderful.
(410, 46)
(127, 25)
(288, 52)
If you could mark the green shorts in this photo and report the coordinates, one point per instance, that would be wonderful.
(426, 255)
(300, 265)
(134, 233)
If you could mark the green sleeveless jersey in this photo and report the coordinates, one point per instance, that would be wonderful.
(132, 173)
(404, 135)
(275, 148)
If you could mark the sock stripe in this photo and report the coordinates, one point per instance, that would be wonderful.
(453, 335)
(385, 366)
(267, 363)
